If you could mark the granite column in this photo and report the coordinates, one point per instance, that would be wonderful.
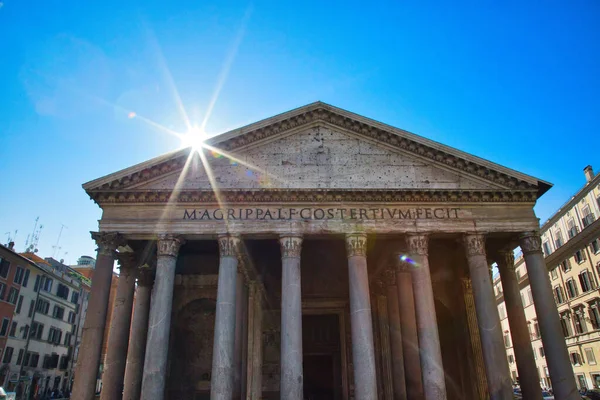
(86, 373)
(408, 324)
(292, 382)
(553, 339)
(137, 339)
(398, 380)
(221, 385)
(432, 368)
(488, 319)
(363, 353)
(255, 353)
(159, 324)
(528, 375)
(118, 338)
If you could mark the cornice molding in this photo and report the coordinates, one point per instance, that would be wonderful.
(313, 196)
(323, 114)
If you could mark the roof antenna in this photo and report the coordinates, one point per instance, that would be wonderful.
(31, 245)
(56, 247)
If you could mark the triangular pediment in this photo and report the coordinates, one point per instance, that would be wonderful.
(319, 147)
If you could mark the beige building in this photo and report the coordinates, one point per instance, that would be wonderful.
(571, 245)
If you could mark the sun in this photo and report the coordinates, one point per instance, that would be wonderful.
(193, 138)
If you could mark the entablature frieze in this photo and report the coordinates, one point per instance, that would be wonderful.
(243, 196)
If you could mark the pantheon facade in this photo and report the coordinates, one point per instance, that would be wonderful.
(316, 254)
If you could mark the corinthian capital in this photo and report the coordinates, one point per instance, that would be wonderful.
(356, 244)
(530, 242)
(108, 242)
(417, 244)
(168, 245)
(229, 245)
(475, 244)
(506, 259)
(291, 246)
(127, 262)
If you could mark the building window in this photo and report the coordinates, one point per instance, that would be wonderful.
(62, 291)
(58, 312)
(507, 339)
(5, 325)
(565, 324)
(37, 330)
(2, 291)
(13, 295)
(8, 355)
(71, 317)
(13, 329)
(554, 273)
(573, 230)
(74, 297)
(594, 314)
(35, 359)
(546, 247)
(4, 267)
(589, 354)
(586, 280)
(19, 275)
(588, 216)
(25, 330)
(502, 311)
(572, 288)
(536, 329)
(575, 359)
(47, 286)
(595, 245)
(523, 300)
(67, 339)
(25, 279)
(19, 305)
(581, 383)
(542, 353)
(511, 359)
(558, 241)
(43, 306)
(54, 335)
(559, 295)
(566, 265)
(579, 256)
(20, 356)
(579, 321)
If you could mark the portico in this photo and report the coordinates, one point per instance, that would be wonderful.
(316, 254)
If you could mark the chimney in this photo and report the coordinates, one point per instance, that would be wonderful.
(589, 173)
(11, 245)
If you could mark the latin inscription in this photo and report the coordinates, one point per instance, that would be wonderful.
(310, 213)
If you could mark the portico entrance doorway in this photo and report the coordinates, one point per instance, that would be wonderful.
(322, 361)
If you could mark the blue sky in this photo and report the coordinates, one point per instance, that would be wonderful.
(514, 83)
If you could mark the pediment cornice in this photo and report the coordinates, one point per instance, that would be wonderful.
(435, 153)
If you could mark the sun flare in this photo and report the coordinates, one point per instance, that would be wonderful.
(194, 138)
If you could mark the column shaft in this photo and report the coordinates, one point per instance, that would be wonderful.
(488, 319)
(475, 339)
(410, 339)
(528, 375)
(221, 385)
(159, 324)
(239, 330)
(432, 368)
(557, 356)
(383, 320)
(254, 391)
(137, 339)
(398, 380)
(292, 382)
(363, 353)
(86, 373)
(118, 339)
